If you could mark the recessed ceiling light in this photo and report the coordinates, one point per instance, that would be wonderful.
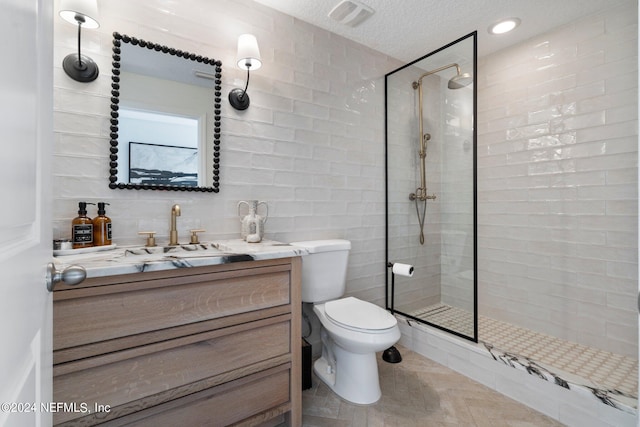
(504, 26)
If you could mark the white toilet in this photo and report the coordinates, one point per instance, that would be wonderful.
(353, 330)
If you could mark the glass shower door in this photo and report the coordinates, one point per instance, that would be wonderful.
(431, 191)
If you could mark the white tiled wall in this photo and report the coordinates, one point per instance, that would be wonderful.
(311, 144)
(557, 182)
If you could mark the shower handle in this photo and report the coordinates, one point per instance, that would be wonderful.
(421, 194)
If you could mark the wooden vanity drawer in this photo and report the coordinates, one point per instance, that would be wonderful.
(138, 377)
(83, 316)
(266, 392)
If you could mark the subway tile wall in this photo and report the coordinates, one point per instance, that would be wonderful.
(557, 182)
(311, 144)
(557, 149)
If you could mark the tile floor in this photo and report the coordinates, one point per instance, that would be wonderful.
(420, 392)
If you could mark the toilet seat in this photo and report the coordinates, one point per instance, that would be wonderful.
(358, 315)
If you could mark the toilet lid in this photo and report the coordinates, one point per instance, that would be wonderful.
(355, 313)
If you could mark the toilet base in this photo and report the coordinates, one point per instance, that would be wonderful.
(354, 376)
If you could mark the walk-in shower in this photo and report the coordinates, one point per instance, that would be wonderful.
(431, 186)
(431, 223)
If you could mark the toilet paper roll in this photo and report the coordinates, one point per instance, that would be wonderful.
(402, 269)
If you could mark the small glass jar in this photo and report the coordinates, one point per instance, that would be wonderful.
(62, 244)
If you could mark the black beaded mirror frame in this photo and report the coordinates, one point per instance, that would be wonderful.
(118, 39)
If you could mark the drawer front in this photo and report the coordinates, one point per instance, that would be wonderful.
(220, 406)
(137, 378)
(91, 319)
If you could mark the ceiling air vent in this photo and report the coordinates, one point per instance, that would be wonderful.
(350, 12)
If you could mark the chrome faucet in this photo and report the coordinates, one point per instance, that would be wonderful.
(173, 233)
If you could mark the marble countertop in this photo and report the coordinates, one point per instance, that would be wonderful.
(138, 259)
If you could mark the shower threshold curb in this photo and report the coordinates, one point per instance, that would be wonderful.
(611, 397)
(584, 388)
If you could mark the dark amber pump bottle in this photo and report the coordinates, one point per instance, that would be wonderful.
(82, 228)
(101, 227)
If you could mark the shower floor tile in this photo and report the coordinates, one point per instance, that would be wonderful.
(608, 370)
(448, 317)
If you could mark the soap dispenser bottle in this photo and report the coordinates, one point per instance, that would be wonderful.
(101, 227)
(82, 228)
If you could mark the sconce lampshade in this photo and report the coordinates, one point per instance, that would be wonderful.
(248, 56)
(86, 11)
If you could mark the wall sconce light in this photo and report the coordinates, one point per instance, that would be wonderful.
(81, 13)
(248, 58)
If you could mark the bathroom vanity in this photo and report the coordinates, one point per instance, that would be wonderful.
(181, 342)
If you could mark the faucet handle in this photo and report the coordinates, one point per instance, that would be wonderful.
(151, 240)
(194, 235)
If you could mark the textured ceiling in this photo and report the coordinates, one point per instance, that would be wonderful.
(409, 29)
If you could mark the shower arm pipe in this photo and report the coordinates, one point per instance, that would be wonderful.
(437, 70)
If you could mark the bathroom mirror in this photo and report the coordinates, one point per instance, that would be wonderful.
(165, 118)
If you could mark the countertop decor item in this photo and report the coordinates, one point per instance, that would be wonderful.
(253, 223)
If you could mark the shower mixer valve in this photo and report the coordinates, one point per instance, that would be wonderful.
(421, 194)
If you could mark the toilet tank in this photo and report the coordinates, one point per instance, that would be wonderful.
(324, 269)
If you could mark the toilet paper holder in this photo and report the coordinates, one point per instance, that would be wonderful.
(392, 355)
(401, 269)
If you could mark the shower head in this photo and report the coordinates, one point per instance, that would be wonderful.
(460, 80)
